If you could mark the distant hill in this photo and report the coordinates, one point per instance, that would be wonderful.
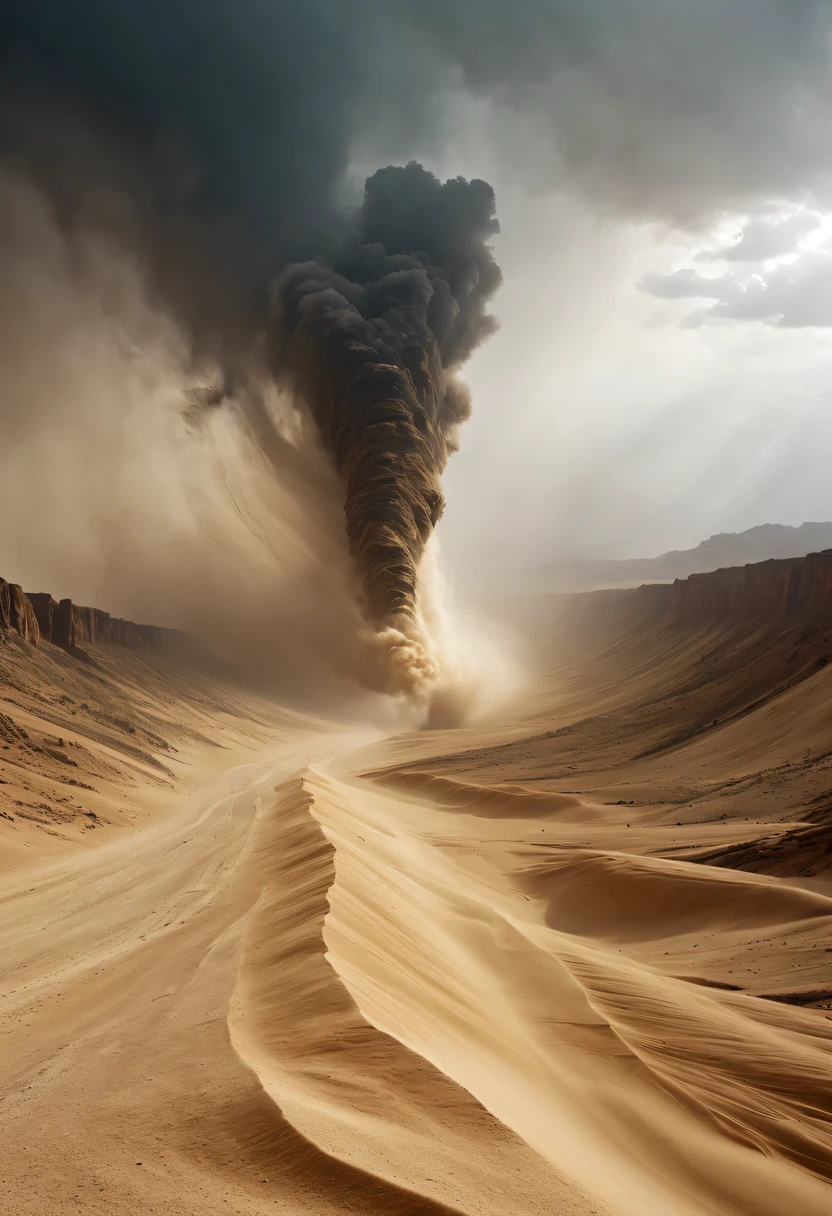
(725, 549)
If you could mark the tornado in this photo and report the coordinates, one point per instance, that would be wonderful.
(203, 155)
(371, 342)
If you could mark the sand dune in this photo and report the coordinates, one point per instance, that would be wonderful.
(355, 1092)
(557, 1031)
(546, 964)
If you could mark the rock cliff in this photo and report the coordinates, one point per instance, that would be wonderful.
(798, 588)
(16, 612)
(793, 587)
(36, 616)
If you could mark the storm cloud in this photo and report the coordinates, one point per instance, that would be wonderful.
(666, 110)
(763, 239)
(662, 109)
(212, 147)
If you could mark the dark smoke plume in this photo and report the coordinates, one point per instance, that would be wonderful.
(175, 211)
(371, 340)
(210, 143)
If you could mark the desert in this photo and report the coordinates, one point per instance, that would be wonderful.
(415, 608)
(222, 984)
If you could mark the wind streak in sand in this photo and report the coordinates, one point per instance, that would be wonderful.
(354, 1092)
(119, 1088)
(656, 1095)
(428, 975)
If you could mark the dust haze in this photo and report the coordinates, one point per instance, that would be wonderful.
(135, 489)
(127, 491)
(203, 430)
(197, 298)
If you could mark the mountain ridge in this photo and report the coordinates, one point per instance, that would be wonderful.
(723, 549)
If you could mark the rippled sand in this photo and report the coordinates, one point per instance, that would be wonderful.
(303, 968)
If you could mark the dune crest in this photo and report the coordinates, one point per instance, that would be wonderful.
(353, 1091)
(558, 1036)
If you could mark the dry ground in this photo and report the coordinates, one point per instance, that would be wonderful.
(574, 960)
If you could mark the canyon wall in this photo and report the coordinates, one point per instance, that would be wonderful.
(36, 616)
(727, 549)
(796, 588)
(792, 587)
(16, 612)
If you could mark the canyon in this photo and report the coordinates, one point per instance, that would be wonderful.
(37, 616)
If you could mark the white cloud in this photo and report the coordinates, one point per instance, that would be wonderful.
(762, 239)
(790, 295)
(598, 429)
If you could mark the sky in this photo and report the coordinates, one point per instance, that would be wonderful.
(660, 388)
(663, 175)
(646, 413)
(663, 368)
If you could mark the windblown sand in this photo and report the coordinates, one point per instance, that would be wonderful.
(575, 960)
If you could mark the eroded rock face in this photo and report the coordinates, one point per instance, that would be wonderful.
(815, 592)
(44, 608)
(73, 625)
(16, 612)
(797, 586)
(39, 616)
(63, 626)
(794, 588)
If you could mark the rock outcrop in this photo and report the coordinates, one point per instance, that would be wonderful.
(794, 587)
(44, 607)
(798, 588)
(37, 615)
(16, 612)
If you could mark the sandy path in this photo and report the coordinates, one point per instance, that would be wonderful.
(118, 964)
(121, 1089)
(117, 969)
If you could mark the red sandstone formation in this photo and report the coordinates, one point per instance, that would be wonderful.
(44, 608)
(16, 612)
(73, 625)
(69, 625)
(5, 619)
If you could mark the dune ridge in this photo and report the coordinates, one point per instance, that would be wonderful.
(558, 1034)
(355, 1092)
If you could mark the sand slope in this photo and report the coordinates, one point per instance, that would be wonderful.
(121, 1087)
(653, 1091)
(477, 971)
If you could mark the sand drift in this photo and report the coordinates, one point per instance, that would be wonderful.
(652, 1092)
(472, 972)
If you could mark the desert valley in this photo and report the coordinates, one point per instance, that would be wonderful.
(573, 959)
(415, 608)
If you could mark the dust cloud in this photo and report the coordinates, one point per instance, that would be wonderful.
(199, 482)
(371, 341)
(229, 389)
